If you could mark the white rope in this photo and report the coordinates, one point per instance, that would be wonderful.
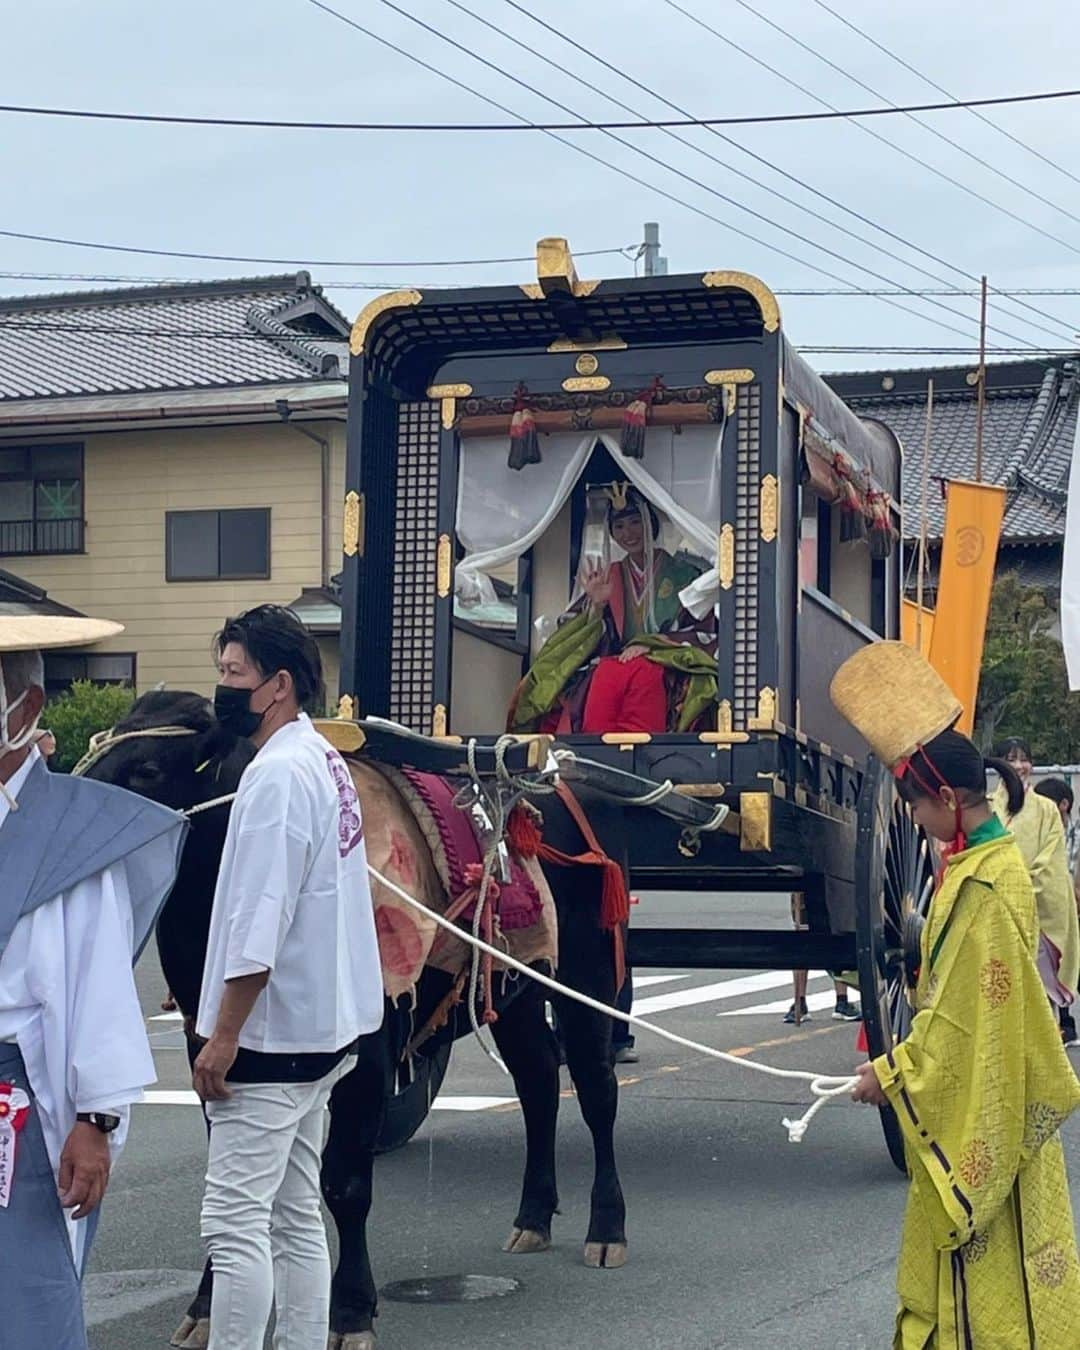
(104, 741)
(209, 806)
(823, 1086)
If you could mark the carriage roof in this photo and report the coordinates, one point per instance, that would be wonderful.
(407, 337)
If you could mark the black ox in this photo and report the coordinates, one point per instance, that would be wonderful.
(184, 771)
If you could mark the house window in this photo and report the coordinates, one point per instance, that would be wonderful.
(217, 545)
(62, 669)
(41, 499)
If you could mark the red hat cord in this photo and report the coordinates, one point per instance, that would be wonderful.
(14, 1109)
(635, 420)
(959, 842)
(524, 440)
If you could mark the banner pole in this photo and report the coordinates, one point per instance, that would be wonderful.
(980, 406)
(922, 520)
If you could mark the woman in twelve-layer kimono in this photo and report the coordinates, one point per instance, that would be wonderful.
(626, 656)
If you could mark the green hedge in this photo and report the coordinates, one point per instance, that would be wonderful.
(78, 713)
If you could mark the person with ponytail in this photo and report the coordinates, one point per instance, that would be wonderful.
(1037, 827)
(982, 1084)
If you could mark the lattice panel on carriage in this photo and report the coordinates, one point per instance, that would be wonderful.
(504, 318)
(747, 528)
(412, 664)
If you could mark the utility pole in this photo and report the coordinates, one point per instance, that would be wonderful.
(655, 265)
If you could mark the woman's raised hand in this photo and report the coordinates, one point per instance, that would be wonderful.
(597, 586)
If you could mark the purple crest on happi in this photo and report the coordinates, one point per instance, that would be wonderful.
(350, 829)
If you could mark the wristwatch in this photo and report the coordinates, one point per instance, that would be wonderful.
(105, 1123)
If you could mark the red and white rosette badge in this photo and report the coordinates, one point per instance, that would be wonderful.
(14, 1108)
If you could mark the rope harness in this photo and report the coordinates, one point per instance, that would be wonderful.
(508, 787)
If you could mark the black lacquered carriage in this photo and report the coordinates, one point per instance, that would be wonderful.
(790, 503)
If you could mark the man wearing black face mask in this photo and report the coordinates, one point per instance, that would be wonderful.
(291, 979)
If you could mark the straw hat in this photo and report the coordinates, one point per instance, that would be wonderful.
(37, 632)
(894, 698)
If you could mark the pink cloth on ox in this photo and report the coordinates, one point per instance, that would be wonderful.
(518, 903)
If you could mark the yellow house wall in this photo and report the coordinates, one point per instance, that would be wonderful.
(132, 479)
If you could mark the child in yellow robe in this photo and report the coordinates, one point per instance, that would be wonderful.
(980, 1086)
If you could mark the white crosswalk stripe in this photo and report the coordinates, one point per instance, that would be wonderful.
(814, 1002)
(736, 987)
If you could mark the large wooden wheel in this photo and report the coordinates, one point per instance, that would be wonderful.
(417, 1080)
(894, 884)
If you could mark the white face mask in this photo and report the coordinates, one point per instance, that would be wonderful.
(9, 743)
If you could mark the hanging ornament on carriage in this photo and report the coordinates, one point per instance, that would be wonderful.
(850, 501)
(882, 534)
(524, 440)
(636, 418)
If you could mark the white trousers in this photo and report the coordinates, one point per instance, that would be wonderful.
(261, 1215)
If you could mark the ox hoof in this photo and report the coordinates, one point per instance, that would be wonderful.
(351, 1340)
(605, 1255)
(524, 1240)
(192, 1334)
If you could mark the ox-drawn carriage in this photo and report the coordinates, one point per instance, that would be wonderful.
(684, 391)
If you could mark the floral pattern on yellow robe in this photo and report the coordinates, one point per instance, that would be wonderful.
(981, 1087)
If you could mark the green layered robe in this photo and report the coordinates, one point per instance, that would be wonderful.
(682, 645)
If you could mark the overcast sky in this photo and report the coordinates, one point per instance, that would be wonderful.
(412, 198)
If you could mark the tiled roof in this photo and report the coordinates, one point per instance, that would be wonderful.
(200, 335)
(1028, 432)
(23, 597)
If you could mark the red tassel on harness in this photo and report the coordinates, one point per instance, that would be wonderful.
(635, 419)
(524, 441)
(614, 897)
(522, 832)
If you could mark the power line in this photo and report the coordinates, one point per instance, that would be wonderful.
(841, 70)
(622, 74)
(103, 330)
(596, 159)
(351, 284)
(283, 124)
(899, 149)
(731, 201)
(283, 262)
(1053, 163)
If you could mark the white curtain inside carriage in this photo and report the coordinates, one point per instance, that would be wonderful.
(502, 512)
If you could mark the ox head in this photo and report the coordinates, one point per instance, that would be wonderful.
(181, 771)
(192, 761)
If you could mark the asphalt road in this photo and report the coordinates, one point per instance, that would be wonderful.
(737, 1238)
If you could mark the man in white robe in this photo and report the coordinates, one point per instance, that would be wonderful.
(292, 979)
(85, 870)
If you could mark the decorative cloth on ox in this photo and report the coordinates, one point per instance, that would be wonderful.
(517, 902)
(404, 844)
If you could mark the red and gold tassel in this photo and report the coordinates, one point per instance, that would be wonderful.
(635, 420)
(524, 440)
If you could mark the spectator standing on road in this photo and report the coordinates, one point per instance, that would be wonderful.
(843, 1010)
(1061, 794)
(980, 1085)
(292, 978)
(1040, 837)
(84, 869)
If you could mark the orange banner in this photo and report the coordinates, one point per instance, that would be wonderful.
(912, 632)
(973, 516)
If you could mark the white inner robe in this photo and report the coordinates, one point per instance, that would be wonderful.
(68, 1000)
